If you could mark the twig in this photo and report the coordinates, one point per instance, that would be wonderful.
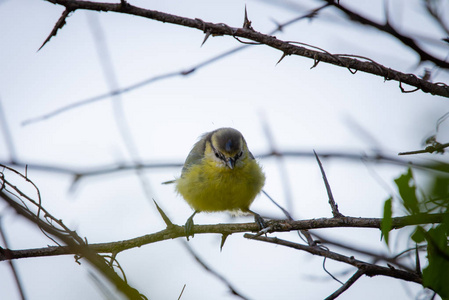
(391, 260)
(212, 271)
(77, 247)
(11, 263)
(125, 167)
(271, 41)
(346, 285)
(183, 72)
(276, 226)
(332, 203)
(369, 269)
(59, 24)
(387, 28)
(9, 142)
(182, 291)
(286, 213)
(324, 266)
(439, 148)
(281, 167)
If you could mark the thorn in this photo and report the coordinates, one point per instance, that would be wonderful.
(163, 215)
(208, 33)
(427, 75)
(223, 240)
(283, 55)
(247, 22)
(315, 63)
(59, 24)
(74, 184)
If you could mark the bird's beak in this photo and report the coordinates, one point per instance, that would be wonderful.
(230, 162)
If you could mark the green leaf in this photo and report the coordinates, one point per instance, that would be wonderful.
(407, 190)
(418, 236)
(436, 275)
(387, 221)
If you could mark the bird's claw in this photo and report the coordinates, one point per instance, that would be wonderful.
(260, 221)
(189, 228)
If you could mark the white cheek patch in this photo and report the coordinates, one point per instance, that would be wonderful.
(218, 161)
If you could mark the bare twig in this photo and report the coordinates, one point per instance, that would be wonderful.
(76, 245)
(9, 143)
(377, 157)
(439, 148)
(182, 291)
(368, 269)
(281, 167)
(271, 41)
(332, 203)
(55, 229)
(346, 285)
(212, 271)
(275, 226)
(376, 256)
(435, 12)
(183, 72)
(11, 263)
(387, 28)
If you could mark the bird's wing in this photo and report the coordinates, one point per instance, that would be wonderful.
(197, 153)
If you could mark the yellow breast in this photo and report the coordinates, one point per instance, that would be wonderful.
(209, 187)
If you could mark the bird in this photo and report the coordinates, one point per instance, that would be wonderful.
(220, 174)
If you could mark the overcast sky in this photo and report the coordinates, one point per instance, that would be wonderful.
(326, 108)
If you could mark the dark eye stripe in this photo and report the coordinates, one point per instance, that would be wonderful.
(238, 155)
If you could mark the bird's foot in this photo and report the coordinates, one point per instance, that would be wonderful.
(189, 226)
(259, 221)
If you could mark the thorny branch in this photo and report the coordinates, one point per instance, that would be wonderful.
(377, 157)
(183, 72)
(177, 231)
(389, 29)
(285, 47)
(77, 246)
(346, 285)
(367, 268)
(50, 225)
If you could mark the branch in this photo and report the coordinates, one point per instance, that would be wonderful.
(17, 279)
(387, 28)
(183, 72)
(177, 231)
(346, 285)
(213, 272)
(335, 212)
(437, 147)
(74, 243)
(285, 47)
(367, 268)
(124, 167)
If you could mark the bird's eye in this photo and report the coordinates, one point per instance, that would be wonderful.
(216, 155)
